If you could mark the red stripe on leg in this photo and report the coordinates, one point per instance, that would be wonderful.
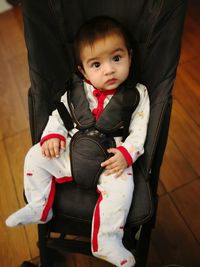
(51, 196)
(96, 224)
(50, 200)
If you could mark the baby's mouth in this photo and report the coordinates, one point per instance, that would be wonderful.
(111, 81)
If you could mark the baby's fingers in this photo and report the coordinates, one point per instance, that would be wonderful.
(62, 145)
(51, 148)
(55, 152)
(45, 151)
(107, 162)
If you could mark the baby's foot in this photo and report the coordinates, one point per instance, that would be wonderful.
(26, 215)
(113, 251)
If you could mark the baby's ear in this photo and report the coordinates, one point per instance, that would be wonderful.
(81, 70)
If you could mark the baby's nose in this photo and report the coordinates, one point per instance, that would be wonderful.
(109, 69)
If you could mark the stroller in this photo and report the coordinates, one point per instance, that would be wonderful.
(156, 29)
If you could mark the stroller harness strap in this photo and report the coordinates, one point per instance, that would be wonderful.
(88, 147)
(116, 114)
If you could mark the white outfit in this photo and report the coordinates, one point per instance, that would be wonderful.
(115, 194)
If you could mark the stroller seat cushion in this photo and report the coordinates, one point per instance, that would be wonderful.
(81, 202)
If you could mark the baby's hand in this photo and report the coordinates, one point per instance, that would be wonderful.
(52, 147)
(115, 164)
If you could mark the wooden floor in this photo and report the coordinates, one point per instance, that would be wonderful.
(176, 238)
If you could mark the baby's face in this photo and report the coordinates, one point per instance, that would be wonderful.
(106, 63)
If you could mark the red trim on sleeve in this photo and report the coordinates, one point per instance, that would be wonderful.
(126, 154)
(49, 136)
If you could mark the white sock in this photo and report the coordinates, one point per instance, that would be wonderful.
(113, 251)
(26, 215)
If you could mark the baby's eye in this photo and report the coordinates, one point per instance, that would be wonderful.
(117, 58)
(96, 65)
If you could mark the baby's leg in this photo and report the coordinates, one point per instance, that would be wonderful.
(110, 217)
(40, 175)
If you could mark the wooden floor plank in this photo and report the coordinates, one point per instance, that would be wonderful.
(13, 115)
(186, 90)
(185, 133)
(191, 44)
(190, 74)
(18, 66)
(161, 189)
(12, 39)
(17, 148)
(172, 240)
(187, 199)
(10, 239)
(17, 13)
(176, 169)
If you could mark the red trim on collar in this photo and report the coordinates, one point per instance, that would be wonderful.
(100, 96)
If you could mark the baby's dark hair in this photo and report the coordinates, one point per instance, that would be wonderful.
(97, 28)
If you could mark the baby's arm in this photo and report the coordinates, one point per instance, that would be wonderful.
(133, 146)
(52, 147)
(55, 134)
